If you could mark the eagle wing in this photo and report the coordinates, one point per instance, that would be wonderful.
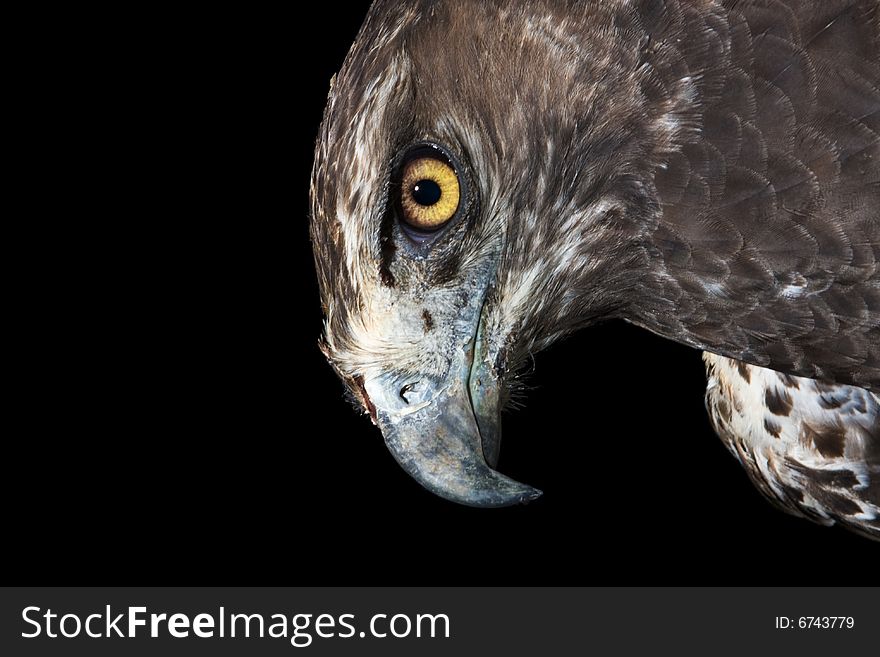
(769, 237)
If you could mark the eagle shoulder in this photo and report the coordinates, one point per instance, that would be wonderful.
(767, 243)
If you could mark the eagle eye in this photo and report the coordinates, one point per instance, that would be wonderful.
(430, 191)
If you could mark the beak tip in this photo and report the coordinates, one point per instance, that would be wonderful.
(505, 492)
(440, 446)
(532, 496)
(527, 496)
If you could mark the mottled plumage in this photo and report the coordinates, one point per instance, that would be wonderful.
(709, 170)
(810, 447)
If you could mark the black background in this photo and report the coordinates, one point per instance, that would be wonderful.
(164, 440)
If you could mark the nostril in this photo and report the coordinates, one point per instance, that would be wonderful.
(405, 390)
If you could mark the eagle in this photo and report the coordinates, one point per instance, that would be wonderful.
(492, 176)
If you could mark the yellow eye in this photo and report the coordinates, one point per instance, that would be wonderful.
(429, 193)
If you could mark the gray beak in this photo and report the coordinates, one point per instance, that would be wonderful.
(443, 432)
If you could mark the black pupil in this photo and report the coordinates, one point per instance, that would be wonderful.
(426, 192)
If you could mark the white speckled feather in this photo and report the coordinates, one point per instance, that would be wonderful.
(811, 448)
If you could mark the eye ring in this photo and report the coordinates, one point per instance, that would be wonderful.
(430, 191)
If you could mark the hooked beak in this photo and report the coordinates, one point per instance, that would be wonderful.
(445, 432)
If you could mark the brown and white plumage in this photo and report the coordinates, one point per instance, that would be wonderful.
(784, 183)
(811, 448)
(709, 170)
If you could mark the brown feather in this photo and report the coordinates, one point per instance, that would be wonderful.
(777, 260)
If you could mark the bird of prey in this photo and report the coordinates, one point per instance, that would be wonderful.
(492, 176)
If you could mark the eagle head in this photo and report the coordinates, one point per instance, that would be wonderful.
(482, 187)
